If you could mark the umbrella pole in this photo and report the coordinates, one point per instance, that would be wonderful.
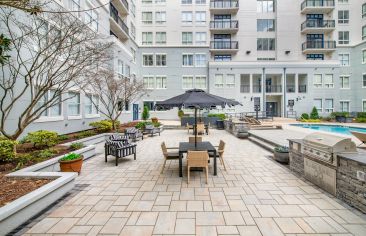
(195, 126)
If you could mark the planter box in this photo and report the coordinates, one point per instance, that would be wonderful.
(206, 120)
(22, 209)
(282, 157)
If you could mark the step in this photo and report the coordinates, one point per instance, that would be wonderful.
(262, 143)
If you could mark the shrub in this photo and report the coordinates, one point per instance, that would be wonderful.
(328, 118)
(46, 153)
(142, 124)
(156, 124)
(77, 145)
(314, 114)
(221, 116)
(305, 116)
(7, 149)
(63, 137)
(85, 133)
(145, 113)
(70, 157)
(361, 120)
(102, 125)
(343, 114)
(180, 113)
(361, 115)
(42, 138)
(281, 149)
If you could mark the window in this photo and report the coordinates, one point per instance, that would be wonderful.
(200, 60)
(266, 59)
(133, 52)
(364, 106)
(147, 17)
(120, 67)
(133, 9)
(230, 81)
(315, 57)
(344, 82)
(147, 38)
(91, 18)
(343, 37)
(344, 106)
(222, 58)
(186, 1)
(160, 38)
(54, 110)
(318, 81)
(265, 25)
(265, 6)
(328, 81)
(149, 104)
(200, 17)
(318, 103)
(266, 44)
(329, 105)
(344, 59)
(200, 1)
(160, 17)
(186, 17)
(91, 104)
(187, 59)
(364, 10)
(201, 38)
(160, 59)
(133, 31)
(128, 71)
(187, 38)
(74, 104)
(146, 1)
(148, 60)
(200, 82)
(342, 1)
(161, 82)
(364, 56)
(160, 1)
(149, 82)
(364, 32)
(343, 17)
(187, 82)
(219, 80)
(364, 80)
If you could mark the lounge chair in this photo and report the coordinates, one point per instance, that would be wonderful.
(119, 149)
(169, 155)
(192, 139)
(360, 136)
(150, 129)
(197, 159)
(220, 152)
(134, 134)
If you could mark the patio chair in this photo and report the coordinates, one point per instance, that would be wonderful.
(197, 159)
(119, 149)
(191, 139)
(134, 134)
(220, 153)
(151, 129)
(360, 136)
(188, 127)
(169, 155)
(201, 128)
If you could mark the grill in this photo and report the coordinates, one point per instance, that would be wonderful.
(320, 158)
(325, 147)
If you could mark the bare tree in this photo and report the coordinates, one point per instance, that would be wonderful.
(114, 93)
(48, 52)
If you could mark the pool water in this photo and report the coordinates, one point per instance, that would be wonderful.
(332, 128)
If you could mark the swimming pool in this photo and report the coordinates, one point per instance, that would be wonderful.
(339, 129)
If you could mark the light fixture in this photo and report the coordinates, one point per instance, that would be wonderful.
(248, 52)
(287, 52)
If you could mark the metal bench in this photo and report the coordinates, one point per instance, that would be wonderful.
(119, 148)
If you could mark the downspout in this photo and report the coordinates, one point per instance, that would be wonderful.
(284, 91)
(264, 90)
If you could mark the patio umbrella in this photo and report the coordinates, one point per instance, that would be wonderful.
(196, 99)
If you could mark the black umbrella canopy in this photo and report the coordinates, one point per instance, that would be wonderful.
(196, 98)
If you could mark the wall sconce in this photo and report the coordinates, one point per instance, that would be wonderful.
(248, 52)
(66, 124)
(83, 122)
(251, 99)
(287, 52)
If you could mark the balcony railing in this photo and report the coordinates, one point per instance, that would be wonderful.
(257, 89)
(273, 88)
(317, 3)
(225, 4)
(117, 19)
(290, 88)
(318, 24)
(224, 24)
(224, 45)
(318, 44)
(302, 88)
(124, 2)
(244, 88)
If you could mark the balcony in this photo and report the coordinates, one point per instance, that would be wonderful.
(302, 88)
(318, 46)
(121, 6)
(224, 6)
(224, 46)
(273, 88)
(317, 6)
(245, 88)
(118, 26)
(224, 26)
(257, 89)
(290, 88)
(317, 26)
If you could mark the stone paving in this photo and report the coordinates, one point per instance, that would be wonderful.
(255, 196)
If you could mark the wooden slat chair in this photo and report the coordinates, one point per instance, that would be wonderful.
(220, 152)
(191, 139)
(169, 155)
(201, 128)
(197, 159)
(188, 127)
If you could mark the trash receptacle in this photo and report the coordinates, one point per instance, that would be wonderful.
(220, 124)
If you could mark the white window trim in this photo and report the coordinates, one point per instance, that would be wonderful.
(349, 102)
(349, 80)
(166, 60)
(149, 76)
(193, 59)
(192, 81)
(195, 64)
(349, 59)
(96, 115)
(362, 80)
(43, 119)
(322, 81)
(363, 100)
(322, 108)
(166, 78)
(363, 62)
(223, 82)
(331, 85)
(149, 54)
(72, 117)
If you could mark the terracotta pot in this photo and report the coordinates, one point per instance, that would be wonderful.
(71, 166)
(282, 157)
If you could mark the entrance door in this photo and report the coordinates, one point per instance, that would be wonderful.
(271, 108)
(135, 109)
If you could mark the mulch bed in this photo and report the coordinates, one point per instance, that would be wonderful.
(14, 188)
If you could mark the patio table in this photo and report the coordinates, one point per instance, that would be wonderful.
(184, 147)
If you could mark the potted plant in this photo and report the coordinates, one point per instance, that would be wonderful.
(71, 163)
(281, 154)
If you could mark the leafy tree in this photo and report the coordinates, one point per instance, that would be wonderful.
(145, 113)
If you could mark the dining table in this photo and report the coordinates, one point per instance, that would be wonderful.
(184, 147)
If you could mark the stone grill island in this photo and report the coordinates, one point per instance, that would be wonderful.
(334, 164)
